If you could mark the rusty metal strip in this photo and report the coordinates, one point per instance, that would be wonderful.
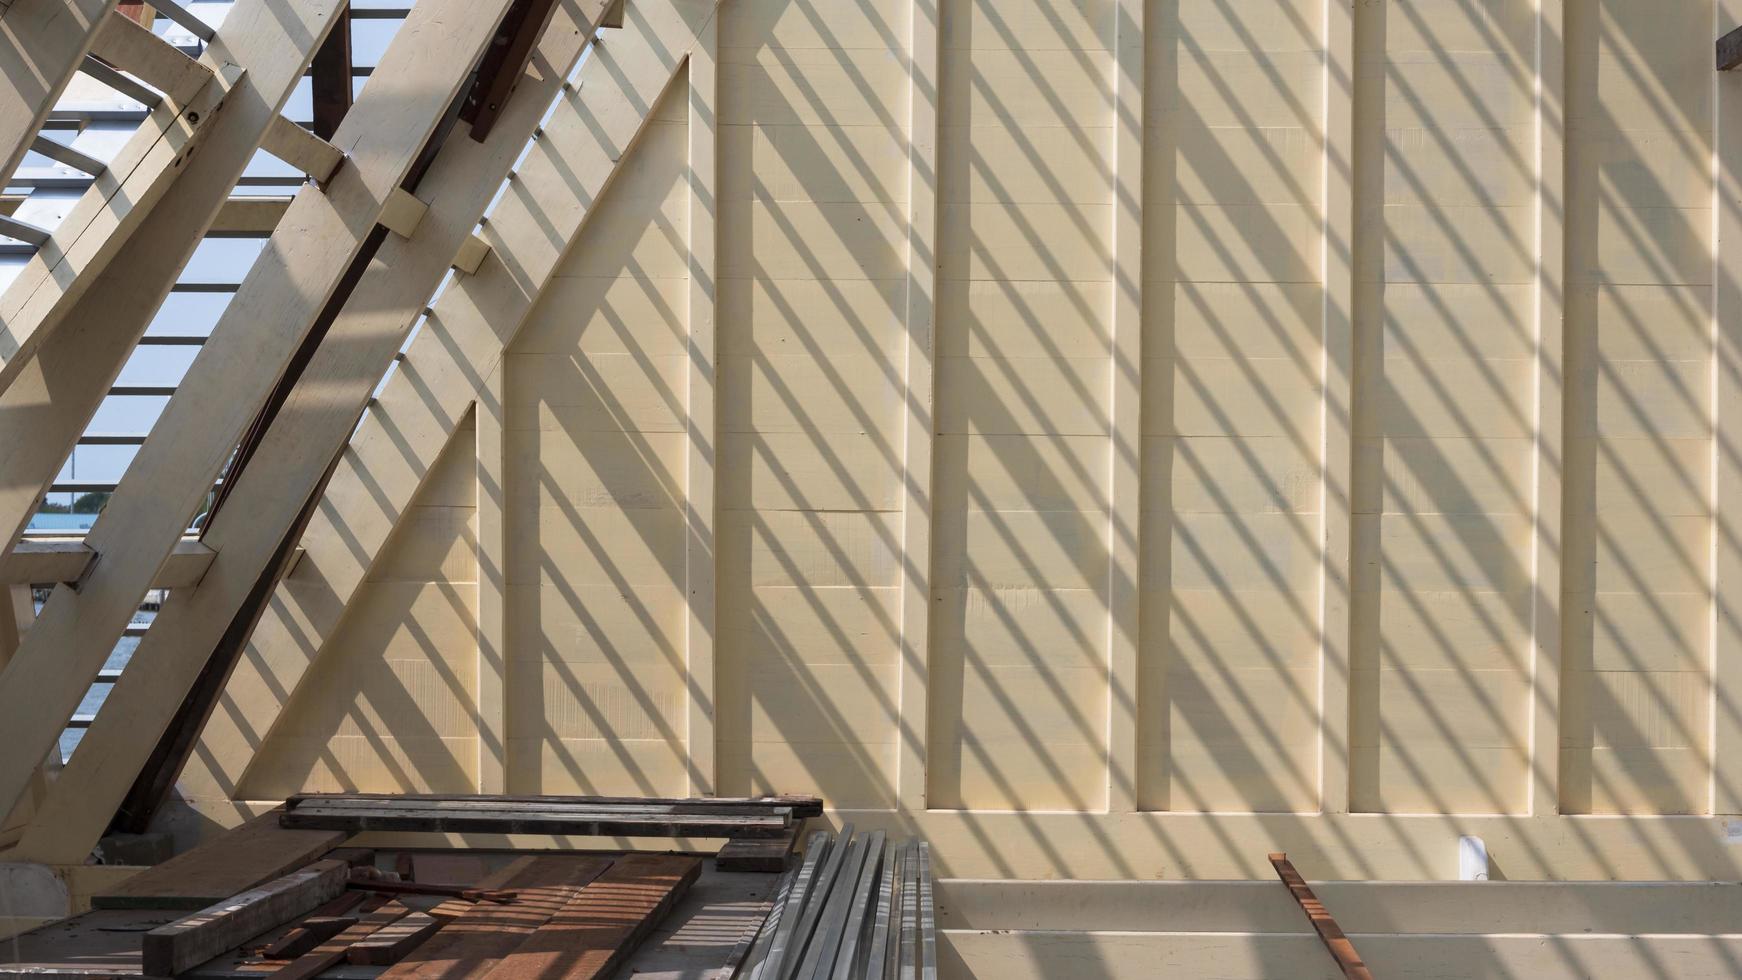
(1331, 934)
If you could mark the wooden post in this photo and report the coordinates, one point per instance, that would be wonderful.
(1124, 531)
(703, 444)
(919, 419)
(1336, 500)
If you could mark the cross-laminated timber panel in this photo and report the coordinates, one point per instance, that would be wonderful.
(320, 235)
(309, 430)
(446, 369)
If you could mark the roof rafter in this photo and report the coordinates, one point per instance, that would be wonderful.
(106, 215)
(42, 44)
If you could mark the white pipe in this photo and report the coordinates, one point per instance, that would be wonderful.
(1472, 859)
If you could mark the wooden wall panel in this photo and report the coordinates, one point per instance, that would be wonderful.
(1375, 571)
(812, 255)
(1231, 381)
(1445, 395)
(594, 432)
(1637, 694)
(396, 709)
(1019, 656)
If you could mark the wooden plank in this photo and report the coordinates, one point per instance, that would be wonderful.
(885, 923)
(822, 859)
(256, 852)
(800, 806)
(302, 149)
(392, 943)
(1341, 949)
(454, 353)
(333, 952)
(194, 939)
(1729, 50)
(831, 923)
(473, 944)
(1335, 453)
(928, 939)
(43, 413)
(311, 932)
(770, 854)
(125, 44)
(577, 823)
(859, 915)
(261, 328)
(599, 927)
(37, 301)
(42, 43)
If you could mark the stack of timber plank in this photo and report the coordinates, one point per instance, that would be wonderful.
(855, 909)
(771, 818)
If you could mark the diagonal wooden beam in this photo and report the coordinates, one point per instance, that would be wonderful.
(309, 430)
(44, 410)
(106, 215)
(124, 44)
(444, 372)
(42, 44)
(322, 234)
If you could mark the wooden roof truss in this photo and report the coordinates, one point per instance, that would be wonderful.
(402, 180)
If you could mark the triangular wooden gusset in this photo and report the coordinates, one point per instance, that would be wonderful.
(446, 372)
(322, 234)
(551, 193)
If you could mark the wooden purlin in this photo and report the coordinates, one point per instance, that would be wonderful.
(43, 413)
(330, 93)
(265, 320)
(42, 43)
(317, 406)
(553, 193)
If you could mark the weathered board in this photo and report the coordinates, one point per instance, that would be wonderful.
(228, 864)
